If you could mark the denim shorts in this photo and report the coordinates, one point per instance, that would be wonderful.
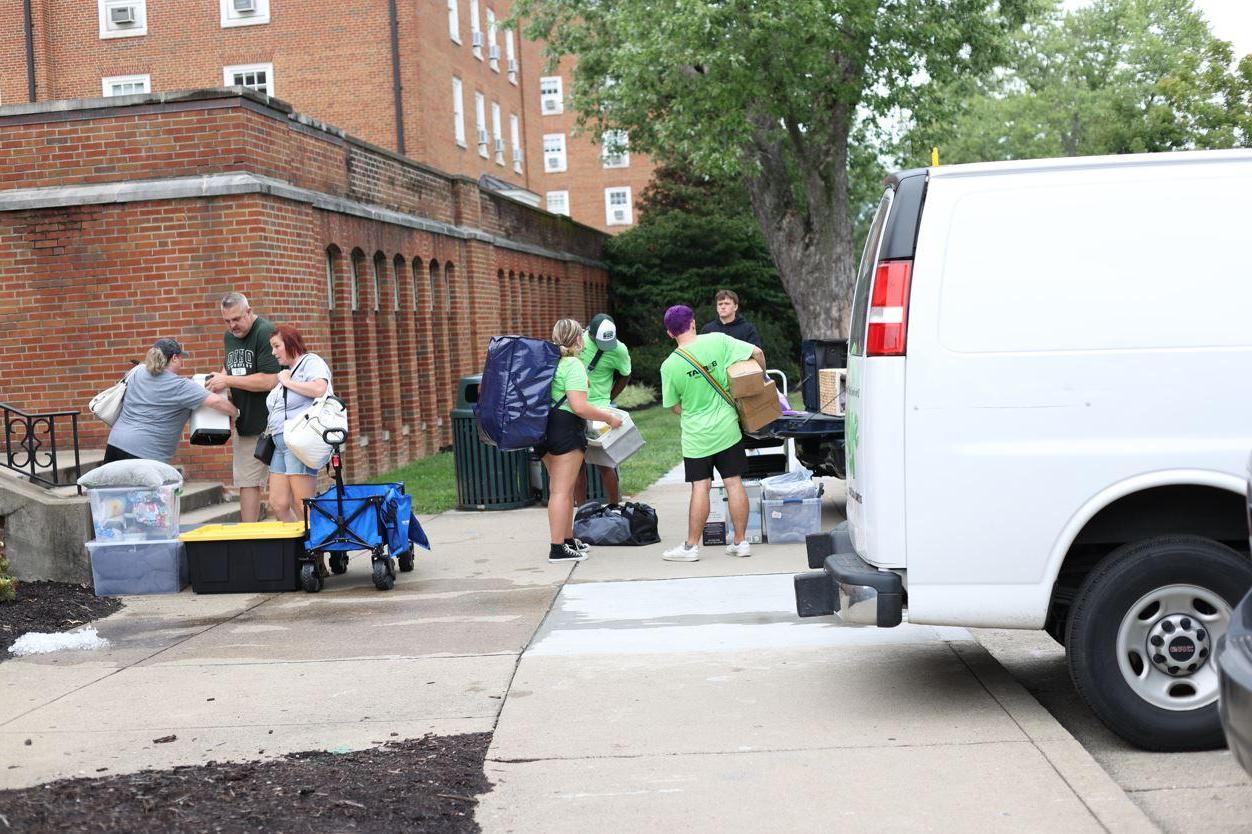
(285, 461)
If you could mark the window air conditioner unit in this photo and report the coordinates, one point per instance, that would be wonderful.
(123, 16)
(619, 216)
(554, 163)
(244, 6)
(549, 105)
(517, 154)
(494, 52)
(499, 145)
(476, 40)
(482, 137)
(512, 65)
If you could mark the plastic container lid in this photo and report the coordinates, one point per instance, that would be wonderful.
(252, 530)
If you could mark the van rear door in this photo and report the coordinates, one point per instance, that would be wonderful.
(877, 348)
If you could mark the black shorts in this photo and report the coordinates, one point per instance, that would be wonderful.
(731, 462)
(567, 432)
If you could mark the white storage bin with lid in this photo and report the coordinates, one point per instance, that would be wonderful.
(133, 514)
(208, 426)
(143, 567)
(717, 504)
(609, 447)
(791, 519)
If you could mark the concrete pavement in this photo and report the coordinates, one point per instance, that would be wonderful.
(625, 693)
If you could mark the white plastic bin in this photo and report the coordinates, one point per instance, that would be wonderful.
(718, 509)
(134, 514)
(609, 447)
(148, 567)
(791, 519)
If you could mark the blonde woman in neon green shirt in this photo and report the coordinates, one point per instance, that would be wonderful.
(566, 440)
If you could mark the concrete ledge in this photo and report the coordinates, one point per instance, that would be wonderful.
(45, 534)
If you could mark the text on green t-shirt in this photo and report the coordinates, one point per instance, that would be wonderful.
(250, 355)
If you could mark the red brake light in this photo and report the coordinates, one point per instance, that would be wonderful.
(888, 318)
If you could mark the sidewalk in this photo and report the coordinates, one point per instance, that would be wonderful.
(651, 695)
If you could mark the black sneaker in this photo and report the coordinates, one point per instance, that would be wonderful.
(578, 544)
(562, 553)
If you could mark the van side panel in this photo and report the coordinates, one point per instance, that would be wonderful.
(1069, 329)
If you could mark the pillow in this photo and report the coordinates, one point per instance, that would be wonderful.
(131, 473)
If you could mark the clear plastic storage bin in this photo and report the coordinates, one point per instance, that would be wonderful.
(135, 514)
(791, 519)
(146, 567)
(718, 508)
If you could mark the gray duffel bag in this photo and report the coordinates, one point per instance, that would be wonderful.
(594, 523)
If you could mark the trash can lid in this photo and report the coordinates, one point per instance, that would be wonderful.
(251, 530)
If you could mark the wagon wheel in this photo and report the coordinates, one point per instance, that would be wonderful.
(339, 563)
(405, 561)
(309, 579)
(384, 579)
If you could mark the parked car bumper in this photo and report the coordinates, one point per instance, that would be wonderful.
(846, 585)
(1234, 669)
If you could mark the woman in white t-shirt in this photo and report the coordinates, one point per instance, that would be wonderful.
(304, 378)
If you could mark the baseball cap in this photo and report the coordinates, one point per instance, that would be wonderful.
(603, 332)
(170, 347)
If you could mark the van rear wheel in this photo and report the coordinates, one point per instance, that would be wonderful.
(1141, 635)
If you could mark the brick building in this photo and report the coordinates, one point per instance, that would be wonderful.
(439, 81)
(125, 220)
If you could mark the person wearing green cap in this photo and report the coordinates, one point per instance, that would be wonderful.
(608, 371)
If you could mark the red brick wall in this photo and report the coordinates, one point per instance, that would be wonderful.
(85, 289)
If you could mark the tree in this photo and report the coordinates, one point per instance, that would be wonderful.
(1119, 76)
(770, 92)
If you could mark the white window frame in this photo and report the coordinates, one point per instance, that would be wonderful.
(228, 74)
(475, 29)
(562, 200)
(480, 123)
(107, 83)
(608, 159)
(108, 30)
(510, 56)
(458, 111)
(515, 141)
(610, 208)
(493, 44)
(497, 137)
(551, 103)
(230, 18)
(454, 20)
(554, 147)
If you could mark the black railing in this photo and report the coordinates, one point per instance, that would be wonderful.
(31, 445)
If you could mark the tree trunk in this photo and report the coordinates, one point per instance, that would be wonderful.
(810, 241)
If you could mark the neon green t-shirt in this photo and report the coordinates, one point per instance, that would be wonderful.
(600, 380)
(570, 376)
(709, 423)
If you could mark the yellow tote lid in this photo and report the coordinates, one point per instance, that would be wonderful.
(252, 530)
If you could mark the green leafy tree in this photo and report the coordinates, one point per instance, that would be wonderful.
(771, 92)
(1118, 76)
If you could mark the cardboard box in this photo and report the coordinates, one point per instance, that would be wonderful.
(832, 391)
(759, 411)
(746, 378)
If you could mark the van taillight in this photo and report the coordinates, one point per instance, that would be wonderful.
(889, 309)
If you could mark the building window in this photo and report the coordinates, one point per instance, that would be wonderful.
(476, 32)
(550, 96)
(515, 140)
(554, 152)
(330, 277)
(480, 121)
(510, 55)
(497, 139)
(259, 77)
(454, 20)
(354, 292)
(245, 12)
(493, 46)
(125, 85)
(614, 149)
(558, 202)
(122, 18)
(617, 208)
(458, 111)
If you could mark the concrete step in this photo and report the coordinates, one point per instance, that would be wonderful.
(88, 459)
(224, 513)
(200, 494)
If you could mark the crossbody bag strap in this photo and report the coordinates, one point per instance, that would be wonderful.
(595, 360)
(293, 373)
(703, 372)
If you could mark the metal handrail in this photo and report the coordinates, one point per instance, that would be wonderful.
(24, 445)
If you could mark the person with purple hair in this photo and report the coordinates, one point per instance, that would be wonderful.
(711, 438)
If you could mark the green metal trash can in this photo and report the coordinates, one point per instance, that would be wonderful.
(595, 486)
(486, 478)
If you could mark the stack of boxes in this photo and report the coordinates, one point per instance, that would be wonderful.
(136, 549)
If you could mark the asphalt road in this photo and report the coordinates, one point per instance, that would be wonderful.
(1181, 792)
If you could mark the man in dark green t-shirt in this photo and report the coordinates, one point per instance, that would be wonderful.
(608, 372)
(251, 371)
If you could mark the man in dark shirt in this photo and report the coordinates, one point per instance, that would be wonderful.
(729, 321)
(251, 371)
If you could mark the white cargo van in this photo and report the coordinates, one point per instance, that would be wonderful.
(1049, 413)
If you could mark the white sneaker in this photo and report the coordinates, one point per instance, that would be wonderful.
(683, 553)
(744, 548)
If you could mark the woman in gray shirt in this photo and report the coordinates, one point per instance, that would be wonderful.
(157, 405)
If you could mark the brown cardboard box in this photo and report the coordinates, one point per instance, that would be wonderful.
(832, 385)
(746, 378)
(758, 411)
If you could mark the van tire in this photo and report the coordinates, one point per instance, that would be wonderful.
(1117, 583)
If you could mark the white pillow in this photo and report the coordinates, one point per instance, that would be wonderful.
(131, 473)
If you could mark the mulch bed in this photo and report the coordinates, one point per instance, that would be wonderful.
(416, 785)
(48, 607)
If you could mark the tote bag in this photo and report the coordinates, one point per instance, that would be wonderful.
(107, 405)
(303, 434)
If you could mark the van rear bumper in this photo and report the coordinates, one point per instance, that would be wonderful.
(846, 585)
